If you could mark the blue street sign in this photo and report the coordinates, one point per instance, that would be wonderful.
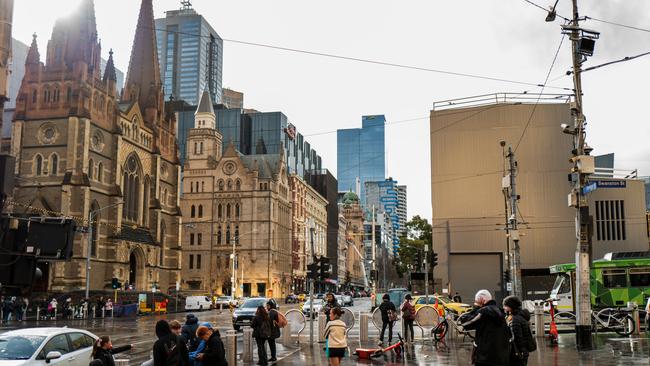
(610, 183)
(589, 188)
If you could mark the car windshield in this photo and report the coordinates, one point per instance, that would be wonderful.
(20, 347)
(253, 303)
(223, 298)
(316, 302)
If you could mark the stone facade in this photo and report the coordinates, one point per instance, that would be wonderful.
(309, 209)
(79, 148)
(353, 214)
(234, 201)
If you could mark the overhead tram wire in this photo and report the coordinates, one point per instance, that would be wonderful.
(619, 24)
(367, 61)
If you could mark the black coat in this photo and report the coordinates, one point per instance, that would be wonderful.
(384, 307)
(106, 355)
(521, 335)
(275, 330)
(214, 353)
(170, 350)
(261, 327)
(188, 333)
(492, 339)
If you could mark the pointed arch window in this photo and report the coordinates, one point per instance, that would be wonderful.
(91, 167)
(237, 235)
(237, 213)
(193, 211)
(132, 180)
(238, 185)
(69, 94)
(54, 164)
(221, 185)
(219, 236)
(145, 201)
(201, 147)
(229, 184)
(100, 172)
(94, 240)
(219, 210)
(228, 210)
(228, 235)
(200, 211)
(196, 148)
(34, 96)
(202, 186)
(38, 170)
(162, 244)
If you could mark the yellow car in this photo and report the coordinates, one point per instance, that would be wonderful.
(443, 303)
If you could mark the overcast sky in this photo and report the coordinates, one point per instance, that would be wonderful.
(498, 38)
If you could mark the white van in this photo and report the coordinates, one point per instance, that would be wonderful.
(198, 303)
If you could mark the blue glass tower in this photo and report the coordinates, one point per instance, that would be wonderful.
(190, 53)
(361, 154)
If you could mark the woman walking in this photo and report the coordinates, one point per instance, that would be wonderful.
(335, 336)
(408, 316)
(388, 317)
(261, 332)
(522, 338)
(103, 350)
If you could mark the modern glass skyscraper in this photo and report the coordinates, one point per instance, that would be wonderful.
(190, 54)
(361, 154)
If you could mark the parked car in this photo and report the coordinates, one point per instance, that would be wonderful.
(240, 301)
(245, 313)
(198, 303)
(225, 302)
(347, 300)
(317, 307)
(291, 299)
(52, 346)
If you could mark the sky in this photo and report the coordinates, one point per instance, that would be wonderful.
(506, 39)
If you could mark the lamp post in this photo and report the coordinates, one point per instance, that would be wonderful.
(91, 215)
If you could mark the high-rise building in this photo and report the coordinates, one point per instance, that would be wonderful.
(401, 209)
(191, 54)
(80, 149)
(361, 154)
(232, 98)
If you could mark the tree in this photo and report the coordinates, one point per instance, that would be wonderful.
(418, 234)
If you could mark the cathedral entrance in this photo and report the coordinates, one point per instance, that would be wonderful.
(136, 269)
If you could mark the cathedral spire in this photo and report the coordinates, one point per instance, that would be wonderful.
(143, 79)
(33, 57)
(109, 72)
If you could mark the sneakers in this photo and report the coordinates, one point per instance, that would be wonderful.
(273, 359)
(380, 343)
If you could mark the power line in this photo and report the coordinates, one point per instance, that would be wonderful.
(546, 10)
(624, 59)
(618, 24)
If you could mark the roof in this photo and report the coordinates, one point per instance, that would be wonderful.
(137, 235)
(45, 331)
(205, 104)
(350, 197)
(266, 164)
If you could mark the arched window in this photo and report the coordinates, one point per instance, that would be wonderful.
(202, 186)
(228, 235)
(145, 201)
(196, 148)
(69, 95)
(191, 187)
(219, 236)
(100, 171)
(54, 164)
(46, 95)
(38, 170)
(132, 180)
(236, 234)
(95, 226)
(228, 210)
(238, 185)
(237, 210)
(221, 185)
(201, 147)
(91, 167)
(34, 96)
(56, 95)
(193, 211)
(200, 211)
(229, 184)
(219, 211)
(162, 244)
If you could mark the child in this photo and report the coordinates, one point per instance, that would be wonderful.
(335, 335)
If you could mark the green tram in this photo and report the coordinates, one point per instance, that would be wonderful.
(615, 280)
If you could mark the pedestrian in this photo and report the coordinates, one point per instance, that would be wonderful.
(188, 332)
(457, 297)
(271, 307)
(522, 341)
(51, 308)
(175, 326)
(200, 348)
(373, 302)
(214, 353)
(109, 305)
(21, 308)
(7, 308)
(261, 332)
(330, 303)
(67, 308)
(492, 340)
(388, 317)
(335, 338)
(103, 350)
(101, 305)
(168, 350)
(408, 316)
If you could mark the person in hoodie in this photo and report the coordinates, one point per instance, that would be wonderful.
(103, 351)
(188, 332)
(386, 307)
(522, 338)
(492, 340)
(169, 349)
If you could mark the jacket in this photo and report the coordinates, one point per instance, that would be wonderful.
(106, 355)
(492, 340)
(275, 330)
(335, 334)
(170, 350)
(192, 354)
(329, 306)
(188, 332)
(521, 333)
(261, 327)
(405, 306)
(384, 307)
(214, 353)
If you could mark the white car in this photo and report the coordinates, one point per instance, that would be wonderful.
(225, 301)
(317, 307)
(198, 303)
(46, 346)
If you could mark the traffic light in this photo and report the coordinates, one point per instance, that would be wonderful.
(325, 268)
(506, 276)
(418, 261)
(115, 283)
(312, 270)
(434, 259)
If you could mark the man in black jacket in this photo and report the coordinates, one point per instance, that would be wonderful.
(214, 353)
(386, 307)
(169, 350)
(522, 338)
(492, 340)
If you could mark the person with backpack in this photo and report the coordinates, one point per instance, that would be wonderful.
(103, 350)
(261, 325)
(388, 318)
(522, 341)
(169, 349)
(188, 332)
(214, 353)
(330, 303)
(408, 316)
(335, 337)
(276, 324)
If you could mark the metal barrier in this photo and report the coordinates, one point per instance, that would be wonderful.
(296, 322)
(539, 320)
(348, 318)
(427, 316)
(231, 347)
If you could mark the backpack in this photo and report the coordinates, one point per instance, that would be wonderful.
(532, 343)
(265, 329)
(407, 312)
(173, 354)
(282, 320)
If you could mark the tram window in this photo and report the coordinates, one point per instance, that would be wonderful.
(614, 278)
(640, 277)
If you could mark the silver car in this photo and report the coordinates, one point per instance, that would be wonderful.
(46, 346)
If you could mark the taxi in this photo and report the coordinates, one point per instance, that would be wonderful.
(440, 303)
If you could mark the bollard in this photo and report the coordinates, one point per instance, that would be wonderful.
(631, 305)
(322, 320)
(103, 311)
(231, 347)
(55, 311)
(38, 313)
(363, 327)
(286, 335)
(539, 320)
(122, 362)
(247, 352)
(220, 308)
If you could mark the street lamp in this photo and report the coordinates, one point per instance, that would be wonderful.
(91, 215)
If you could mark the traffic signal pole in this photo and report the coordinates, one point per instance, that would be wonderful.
(311, 291)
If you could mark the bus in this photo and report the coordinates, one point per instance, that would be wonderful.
(616, 279)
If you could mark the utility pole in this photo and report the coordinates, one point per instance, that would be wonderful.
(513, 232)
(233, 256)
(374, 255)
(311, 290)
(426, 273)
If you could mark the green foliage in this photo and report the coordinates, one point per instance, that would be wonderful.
(418, 234)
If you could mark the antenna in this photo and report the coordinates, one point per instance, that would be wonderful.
(187, 5)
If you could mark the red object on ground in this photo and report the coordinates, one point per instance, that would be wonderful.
(368, 353)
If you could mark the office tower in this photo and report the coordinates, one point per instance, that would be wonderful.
(401, 209)
(361, 154)
(190, 53)
(232, 98)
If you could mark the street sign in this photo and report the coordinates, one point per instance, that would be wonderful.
(610, 183)
(509, 286)
(589, 187)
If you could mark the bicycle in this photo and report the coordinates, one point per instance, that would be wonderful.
(617, 320)
(439, 332)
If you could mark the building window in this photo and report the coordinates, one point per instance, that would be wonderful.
(193, 211)
(200, 147)
(236, 234)
(91, 167)
(196, 148)
(100, 172)
(228, 235)
(191, 261)
(237, 210)
(219, 236)
(145, 201)
(199, 238)
(191, 239)
(34, 96)
(198, 261)
(95, 226)
(39, 165)
(200, 210)
(202, 186)
(238, 185)
(191, 187)
(69, 94)
(162, 243)
(228, 210)
(219, 210)
(610, 220)
(229, 185)
(221, 185)
(131, 192)
(54, 164)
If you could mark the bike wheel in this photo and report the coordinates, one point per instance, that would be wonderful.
(440, 331)
(623, 324)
